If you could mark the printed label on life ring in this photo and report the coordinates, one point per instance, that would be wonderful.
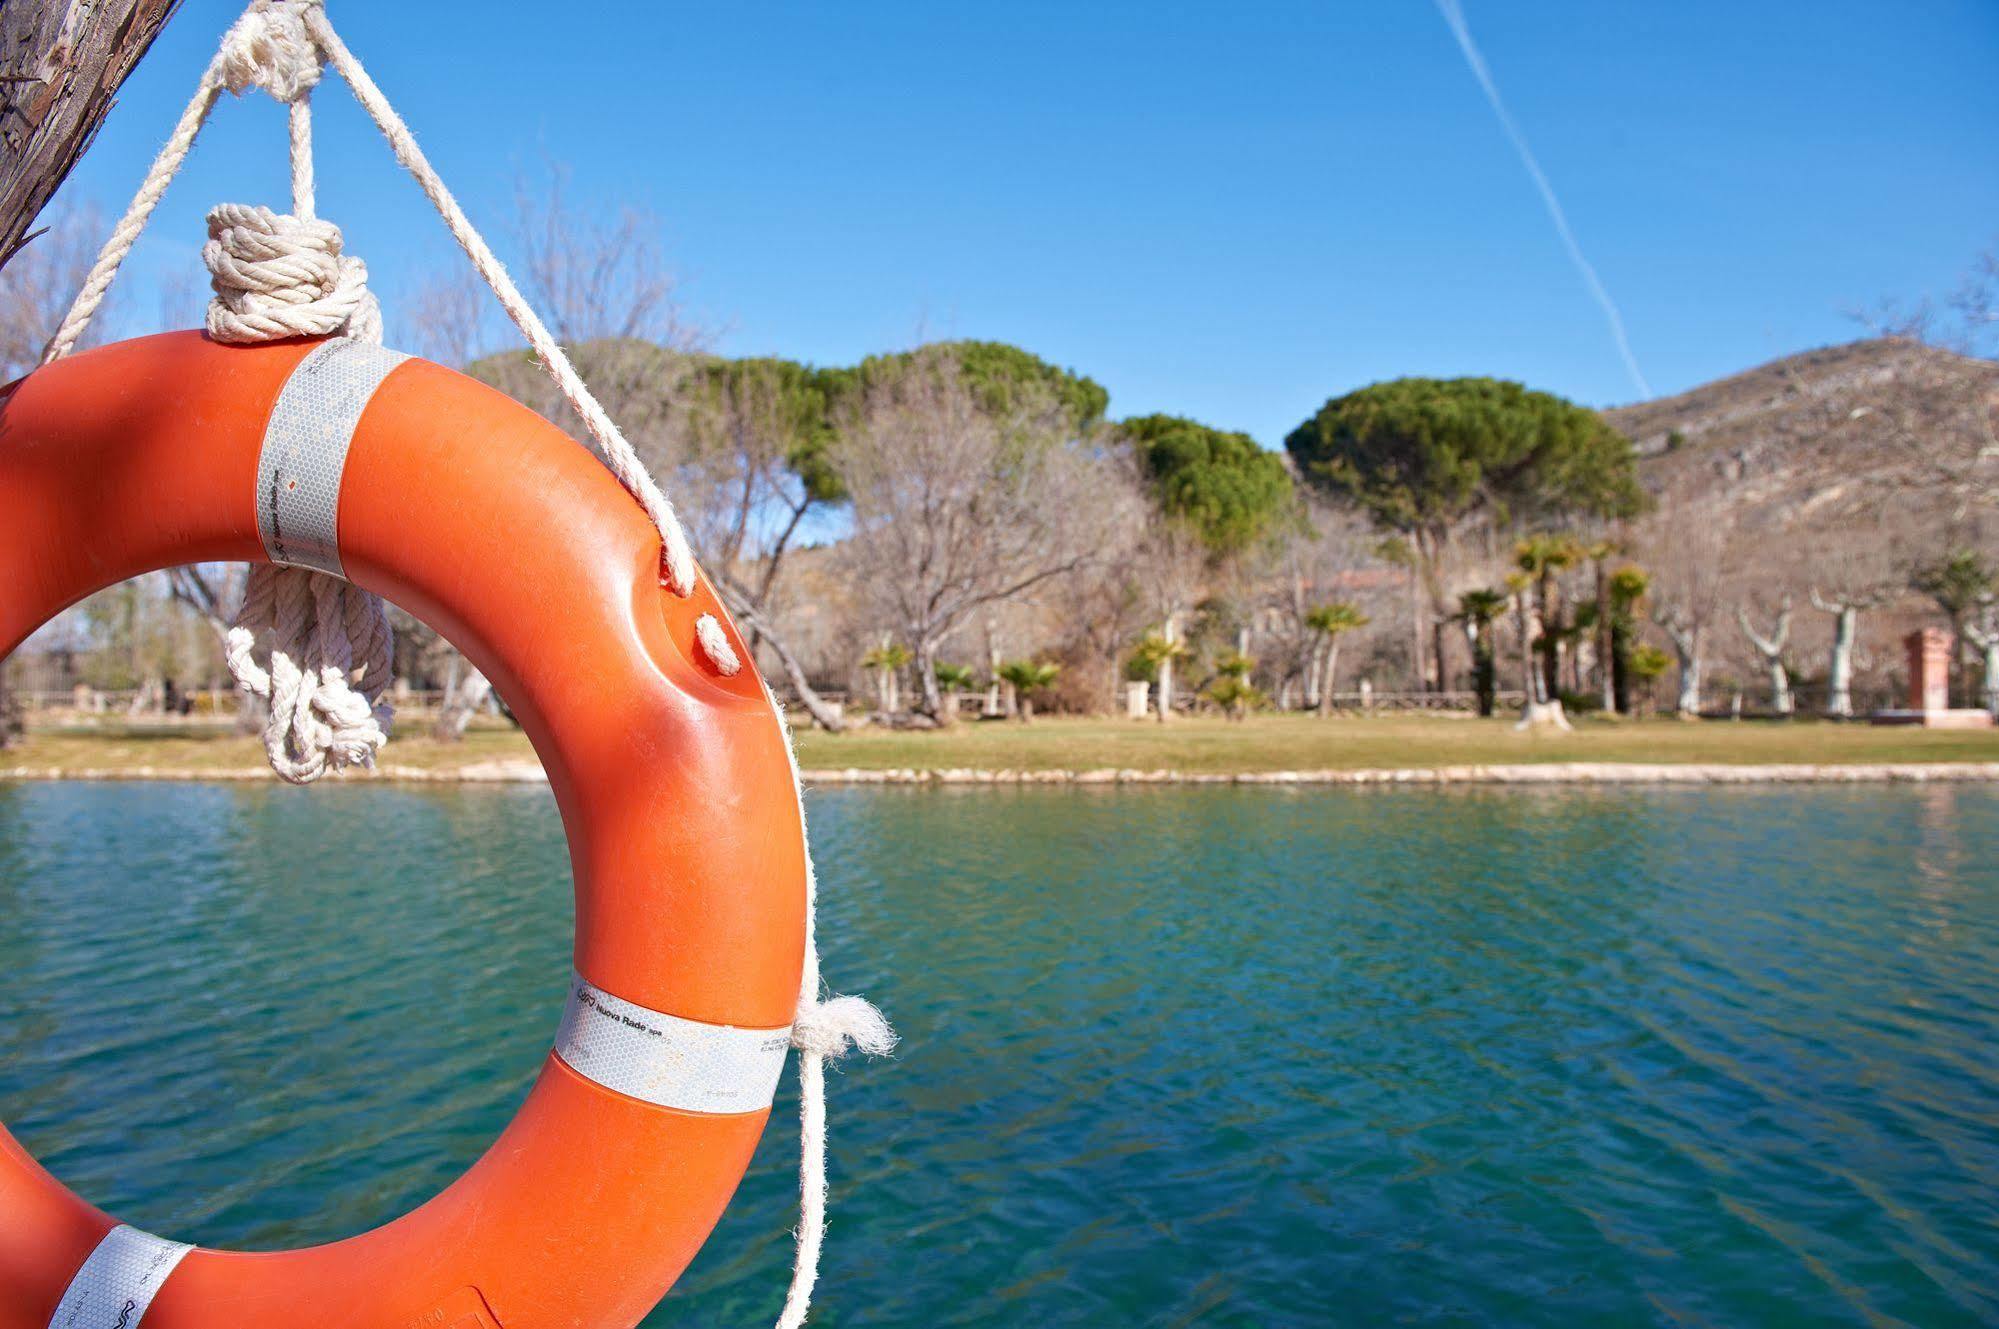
(115, 1285)
(668, 1060)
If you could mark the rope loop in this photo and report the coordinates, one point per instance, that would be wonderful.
(270, 48)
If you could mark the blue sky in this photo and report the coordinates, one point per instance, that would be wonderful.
(1229, 212)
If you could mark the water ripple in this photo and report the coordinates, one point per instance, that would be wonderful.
(1173, 1057)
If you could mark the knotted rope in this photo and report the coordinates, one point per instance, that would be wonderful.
(278, 275)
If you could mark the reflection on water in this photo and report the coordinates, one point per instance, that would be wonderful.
(1173, 1056)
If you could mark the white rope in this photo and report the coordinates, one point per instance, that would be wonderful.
(822, 1030)
(617, 453)
(279, 275)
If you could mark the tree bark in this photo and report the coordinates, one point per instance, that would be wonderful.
(1606, 644)
(465, 695)
(926, 679)
(824, 714)
(1839, 684)
(1687, 646)
(1986, 638)
(61, 64)
(1171, 633)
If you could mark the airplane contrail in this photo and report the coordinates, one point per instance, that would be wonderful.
(1454, 15)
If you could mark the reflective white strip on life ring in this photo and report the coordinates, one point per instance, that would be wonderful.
(305, 450)
(118, 1282)
(668, 1060)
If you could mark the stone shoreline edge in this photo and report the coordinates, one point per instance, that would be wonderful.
(1548, 773)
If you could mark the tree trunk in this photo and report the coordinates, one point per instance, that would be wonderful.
(1780, 688)
(1687, 648)
(1839, 679)
(1991, 646)
(1958, 689)
(1606, 644)
(1331, 658)
(1551, 643)
(1483, 671)
(467, 693)
(1171, 634)
(61, 63)
(1529, 679)
(926, 679)
(1439, 633)
(1620, 667)
(12, 723)
(992, 706)
(1416, 603)
(824, 713)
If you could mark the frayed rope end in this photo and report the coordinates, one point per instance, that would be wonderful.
(832, 1028)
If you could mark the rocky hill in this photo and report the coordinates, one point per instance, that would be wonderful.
(1836, 471)
(1883, 439)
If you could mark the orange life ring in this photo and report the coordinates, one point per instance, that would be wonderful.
(673, 783)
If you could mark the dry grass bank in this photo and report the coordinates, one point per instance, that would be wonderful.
(1262, 743)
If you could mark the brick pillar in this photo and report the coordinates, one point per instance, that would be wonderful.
(1929, 669)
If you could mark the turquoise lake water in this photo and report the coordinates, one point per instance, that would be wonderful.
(1172, 1056)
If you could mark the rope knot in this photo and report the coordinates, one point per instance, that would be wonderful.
(276, 275)
(330, 651)
(832, 1028)
(269, 48)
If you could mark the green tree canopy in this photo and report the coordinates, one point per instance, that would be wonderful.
(789, 402)
(1423, 455)
(1002, 377)
(1229, 490)
(1958, 582)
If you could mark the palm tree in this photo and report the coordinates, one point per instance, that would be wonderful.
(1516, 591)
(1543, 558)
(1027, 678)
(1231, 688)
(1329, 621)
(888, 661)
(1599, 553)
(1154, 655)
(953, 679)
(1478, 611)
(1628, 586)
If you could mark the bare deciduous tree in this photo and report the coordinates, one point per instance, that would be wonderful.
(37, 286)
(957, 506)
(1689, 561)
(1847, 581)
(35, 290)
(746, 453)
(1769, 648)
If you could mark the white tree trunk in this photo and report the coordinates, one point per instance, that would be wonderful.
(992, 706)
(1986, 638)
(1689, 701)
(1171, 633)
(1780, 688)
(462, 700)
(1839, 678)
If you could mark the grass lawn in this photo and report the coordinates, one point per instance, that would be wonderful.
(1262, 743)
(1298, 742)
